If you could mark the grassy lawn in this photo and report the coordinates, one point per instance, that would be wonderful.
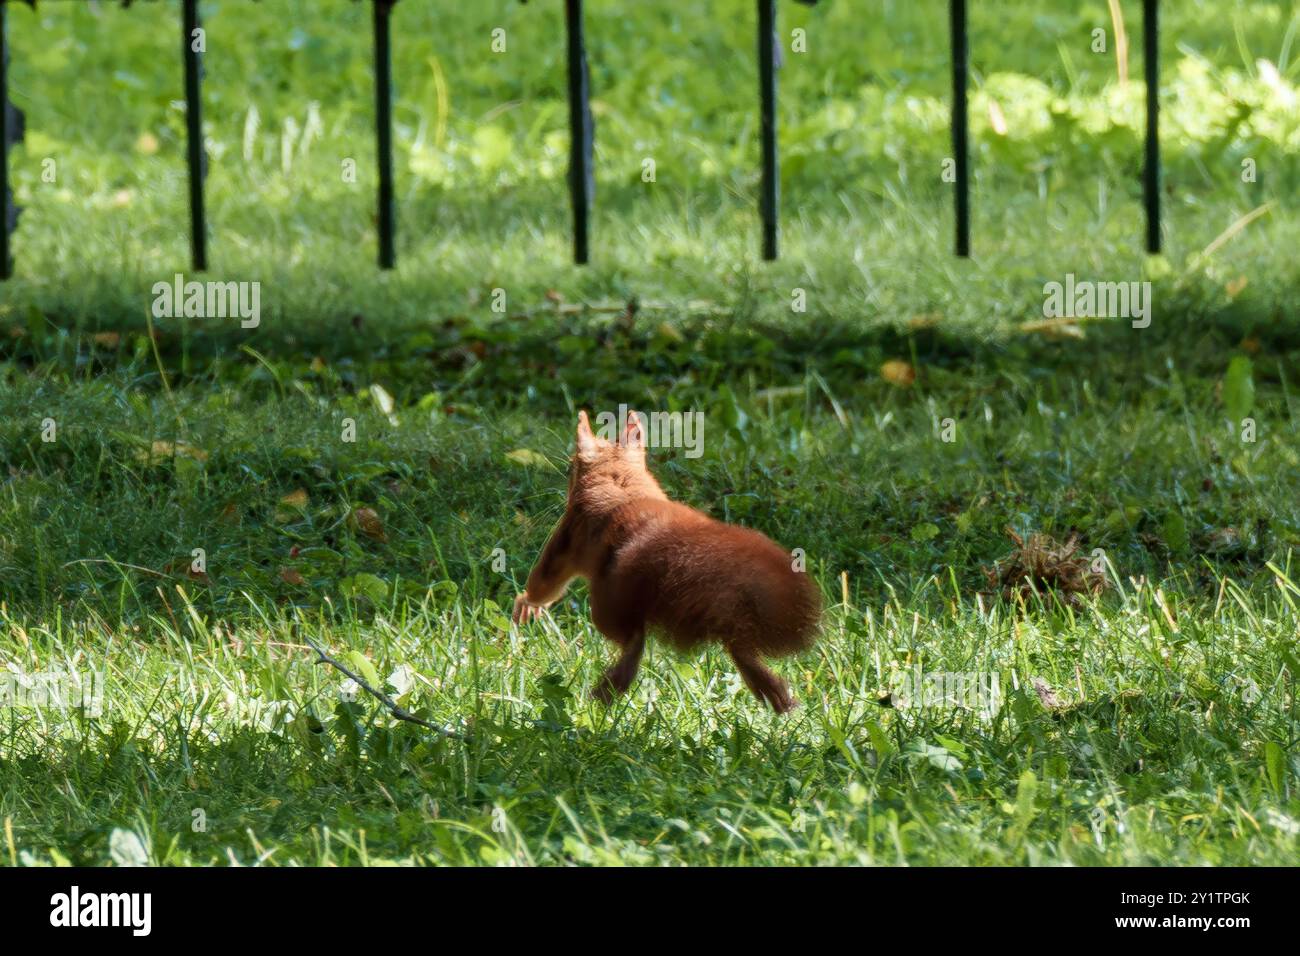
(894, 412)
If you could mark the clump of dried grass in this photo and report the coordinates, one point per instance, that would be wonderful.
(1043, 565)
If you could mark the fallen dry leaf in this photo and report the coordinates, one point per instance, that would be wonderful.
(527, 457)
(185, 566)
(1046, 696)
(366, 520)
(898, 372)
(1222, 541)
(161, 450)
(295, 499)
(292, 576)
(670, 332)
(1054, 328)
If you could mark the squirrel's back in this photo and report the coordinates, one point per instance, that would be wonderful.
(694, 579)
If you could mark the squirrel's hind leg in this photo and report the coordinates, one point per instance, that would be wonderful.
(625, 631)
(765, 685)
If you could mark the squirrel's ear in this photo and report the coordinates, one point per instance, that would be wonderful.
(586, 440)
(634, 433)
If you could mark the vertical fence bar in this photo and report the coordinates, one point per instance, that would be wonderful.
(769, 199)
(6, 263)
(960, 63)
(194, 133)
(384, 128)
(1151, 168)
(582, 184)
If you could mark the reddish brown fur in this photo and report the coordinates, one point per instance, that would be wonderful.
(655, 565)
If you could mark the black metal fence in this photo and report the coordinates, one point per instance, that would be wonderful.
(581, 127)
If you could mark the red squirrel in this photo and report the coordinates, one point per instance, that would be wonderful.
(660, 566)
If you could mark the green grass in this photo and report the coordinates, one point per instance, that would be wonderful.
(1174, 738)
(1165, 741)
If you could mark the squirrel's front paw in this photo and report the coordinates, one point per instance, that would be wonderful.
(525, 611)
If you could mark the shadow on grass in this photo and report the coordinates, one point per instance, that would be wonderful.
(570, 351)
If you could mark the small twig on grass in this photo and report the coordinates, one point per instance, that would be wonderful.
(1065, 327)
(118, 564)
(388, 702)
(693, 307)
